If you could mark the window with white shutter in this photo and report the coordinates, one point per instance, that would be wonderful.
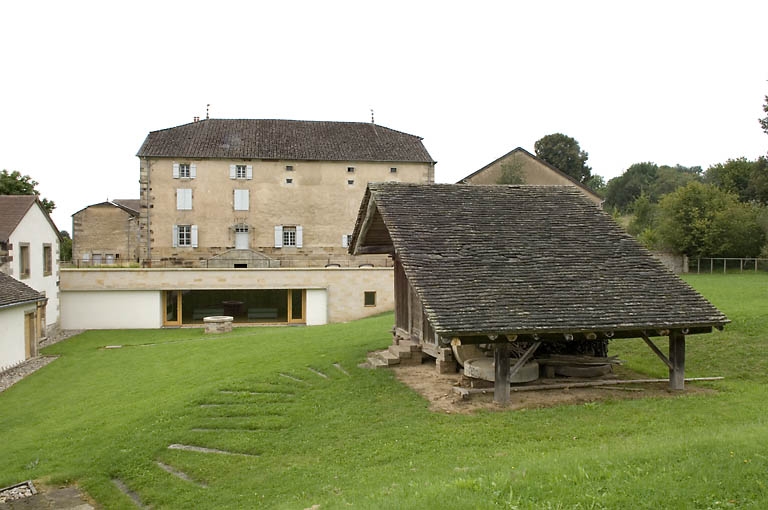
(184, 199)
(241, 199)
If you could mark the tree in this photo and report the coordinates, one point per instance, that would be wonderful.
(597, 184)
(764, 120)
(748, 179)
(704, 220)
(512, 173)
(564, 153)
(16, 184)
(65, 250)
(622, 191)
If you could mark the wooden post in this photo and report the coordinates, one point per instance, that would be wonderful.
(677, 360)
(501, 374)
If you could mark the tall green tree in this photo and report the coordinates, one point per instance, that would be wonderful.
(702, 220)
(764, 120)
(622, 191)
(565, 154)
(14, 183)
(747, 179)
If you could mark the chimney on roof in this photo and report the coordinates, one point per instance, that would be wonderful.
(196, 119)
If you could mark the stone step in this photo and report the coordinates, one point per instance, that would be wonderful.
(375, 362)
(401, 351)
(388, 358)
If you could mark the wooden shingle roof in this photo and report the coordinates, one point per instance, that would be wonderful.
(14, 292)
(294, 140)
(523, 260)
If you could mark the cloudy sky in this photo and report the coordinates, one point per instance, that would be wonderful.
(673, 82)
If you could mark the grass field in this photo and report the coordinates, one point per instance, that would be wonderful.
(310, 428)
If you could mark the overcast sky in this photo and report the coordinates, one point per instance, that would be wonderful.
(672, 82)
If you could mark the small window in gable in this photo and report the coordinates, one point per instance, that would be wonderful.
(289, 181)
(350, 169)
(369, 298)
(289, 168)
(393, 170)
(350, 181)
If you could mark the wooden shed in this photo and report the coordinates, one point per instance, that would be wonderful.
(535, 264)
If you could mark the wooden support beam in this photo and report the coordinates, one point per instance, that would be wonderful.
(528, 354)
(677, 359)
(501, 373)
(656, 350)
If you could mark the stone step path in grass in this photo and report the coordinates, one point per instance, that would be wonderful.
(128, 492)
(261, 410)
(179, 474)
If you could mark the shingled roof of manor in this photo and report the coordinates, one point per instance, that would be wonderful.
(295, 140)
(522, 260)
(14, 292)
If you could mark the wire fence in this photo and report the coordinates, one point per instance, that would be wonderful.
(727, 265)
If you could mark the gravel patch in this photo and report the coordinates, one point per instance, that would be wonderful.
(16, 373)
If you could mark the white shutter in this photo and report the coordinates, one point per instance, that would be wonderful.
(184, 199)
(278, 236)
(233, 171)
(194, 236)
(175, 170)
(241, 200)
(299, 236)
(249, 172)
(175, 236)
(192, 171)
(344, 241)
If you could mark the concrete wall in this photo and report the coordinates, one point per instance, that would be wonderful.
(530, 169)
(35, 230)
(12, 347)
(675, 262)
(118, 309)
(129, 297)
(105, 229)
(319, 198)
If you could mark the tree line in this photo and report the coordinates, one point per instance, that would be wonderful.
(718, 212)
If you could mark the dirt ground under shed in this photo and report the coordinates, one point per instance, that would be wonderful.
(438, 390)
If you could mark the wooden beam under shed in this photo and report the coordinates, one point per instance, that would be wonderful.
(677, 360)
(501, 373)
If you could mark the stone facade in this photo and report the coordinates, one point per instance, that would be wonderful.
(288, 191)
(105, 233)
(527, 169)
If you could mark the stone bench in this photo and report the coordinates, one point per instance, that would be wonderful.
(218, 324)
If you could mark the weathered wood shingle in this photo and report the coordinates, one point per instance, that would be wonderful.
(13, 292)
(293, 140)
(526, 259)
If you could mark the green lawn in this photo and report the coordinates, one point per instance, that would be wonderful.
(358, 438)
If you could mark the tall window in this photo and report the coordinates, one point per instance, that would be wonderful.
(185, 235)
(184, 199)
(184, 170)
(289, 236)
(241, 200)
(240, 171)
(24, 269)
(47, 260)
